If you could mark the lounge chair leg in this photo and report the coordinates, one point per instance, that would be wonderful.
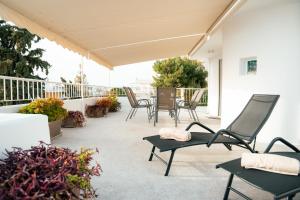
(170, 162)
(190, 114)
(194, 118)
(228, 187)
(135, 111)
(148, 113)
(175, 116)
(228, 146)
(132, 113)
(178, 115)
(196, 115)
(254, 144)
(129, 114)
(152, 152)
(291, 197)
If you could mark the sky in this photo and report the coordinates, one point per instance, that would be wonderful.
(65, 63)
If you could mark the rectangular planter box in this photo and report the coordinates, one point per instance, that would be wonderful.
(55, 128)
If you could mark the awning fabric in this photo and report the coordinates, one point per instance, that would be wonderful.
(117, 32)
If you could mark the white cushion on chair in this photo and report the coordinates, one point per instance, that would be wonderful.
(172, 133)
(271, 163)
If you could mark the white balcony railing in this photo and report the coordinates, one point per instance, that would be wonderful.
(23, 89)
(14, 89)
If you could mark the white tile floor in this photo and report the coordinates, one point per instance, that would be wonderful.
(127, 173)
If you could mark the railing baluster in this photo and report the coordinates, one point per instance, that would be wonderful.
(17, 90)
(23, 92)
(37, 90)
(42, 89)
(28, 91)
(33, 97)
(4, 89)
(11, 90)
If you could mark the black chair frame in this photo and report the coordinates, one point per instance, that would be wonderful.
(223, 136)
(289, 195)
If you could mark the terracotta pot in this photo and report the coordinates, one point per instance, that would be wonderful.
(68, 122)
(55, 128)
(105, 110)
(94, 111)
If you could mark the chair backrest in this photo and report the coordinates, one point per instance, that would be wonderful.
(253, 117)
(194, 103)
(195, 94)
(133, 96)
(166, 98)
(129, 96)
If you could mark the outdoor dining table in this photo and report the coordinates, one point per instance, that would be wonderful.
(153, 99)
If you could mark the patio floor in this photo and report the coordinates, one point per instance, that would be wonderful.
(127, 173)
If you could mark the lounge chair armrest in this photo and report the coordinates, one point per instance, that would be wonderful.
(182, 101)
(279, 139)
(201, 125)
(144, 100)
(231, 134)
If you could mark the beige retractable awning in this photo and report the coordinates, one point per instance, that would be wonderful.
(117, 32)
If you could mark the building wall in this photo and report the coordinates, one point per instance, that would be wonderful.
(213, 87)
(271, 32)
(24, 131)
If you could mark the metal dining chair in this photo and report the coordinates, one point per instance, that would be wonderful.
(136, 104)
(166, 100)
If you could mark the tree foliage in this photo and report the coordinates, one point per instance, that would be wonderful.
(80, 78)
(179, 72)
(17, 57)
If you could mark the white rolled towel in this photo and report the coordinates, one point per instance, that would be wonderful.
(271, 163)
(172, 133)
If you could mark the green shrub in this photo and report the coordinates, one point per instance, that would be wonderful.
(179, 72)
(118, 92)
(51, 107)
(115, 104)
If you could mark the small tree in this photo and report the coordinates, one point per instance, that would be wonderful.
(179, 72)
(17, 57)
(80, 77)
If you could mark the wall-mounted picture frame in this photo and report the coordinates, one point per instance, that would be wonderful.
(251, 67)
(248, 65)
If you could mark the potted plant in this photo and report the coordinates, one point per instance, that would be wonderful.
(104, 102)
(47, 172)
(94, 111)
(73, 119)
(51, 107)
(115, 104)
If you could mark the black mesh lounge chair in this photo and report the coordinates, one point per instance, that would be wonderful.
(136, 104)
(165, 100)
(191, 105)
(281, 186)
(241, 132)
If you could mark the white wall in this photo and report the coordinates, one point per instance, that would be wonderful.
(269, 30)
(73, 104)
(22, 130)
(213, 87)
(76, 104)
